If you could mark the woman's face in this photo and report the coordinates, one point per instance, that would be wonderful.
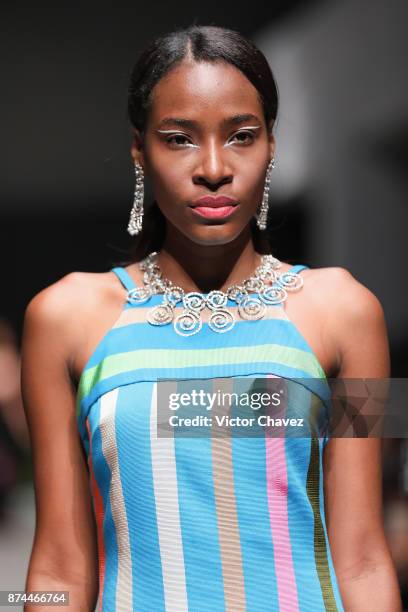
(205, 135)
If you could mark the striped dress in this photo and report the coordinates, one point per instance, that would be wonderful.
(207, 523)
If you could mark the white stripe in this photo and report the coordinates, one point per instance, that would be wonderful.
(124, 590)
(167, 510)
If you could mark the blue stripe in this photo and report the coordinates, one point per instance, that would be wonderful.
(134, 453)
(198, 520)
(103, 478)
(249, 461)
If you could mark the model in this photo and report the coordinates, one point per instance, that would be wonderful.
(154, 521)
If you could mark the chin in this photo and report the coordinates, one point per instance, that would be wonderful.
(213, 235)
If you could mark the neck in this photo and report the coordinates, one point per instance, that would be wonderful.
(204, 268)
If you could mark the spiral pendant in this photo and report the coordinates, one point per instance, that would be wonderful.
(187, 323)
(291, 281)
(251, 308)
(221, 320)
(216, 299)
(273, 295)
(160, 315)
(194, 301)
(139, 295)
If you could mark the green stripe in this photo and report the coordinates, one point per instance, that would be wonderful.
(313, 492)
(170, 358)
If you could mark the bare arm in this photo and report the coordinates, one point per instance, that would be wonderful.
(64, 553)
(353, 494)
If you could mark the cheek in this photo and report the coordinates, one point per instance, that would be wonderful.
(168, 189)
(255, 180)
(250, 184)
(169, 178)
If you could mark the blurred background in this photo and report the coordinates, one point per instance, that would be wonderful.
(338, 194)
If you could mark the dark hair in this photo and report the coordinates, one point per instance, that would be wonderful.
(202, 43)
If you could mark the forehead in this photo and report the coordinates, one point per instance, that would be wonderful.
(203, 88)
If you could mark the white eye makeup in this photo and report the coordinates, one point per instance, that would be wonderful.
(175, 133)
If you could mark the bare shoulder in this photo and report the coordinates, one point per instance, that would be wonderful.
(354, 323)
(336, 286)
(64, 310)
(76, 290)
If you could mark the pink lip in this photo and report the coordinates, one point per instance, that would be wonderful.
(214, 201)
(212, 212)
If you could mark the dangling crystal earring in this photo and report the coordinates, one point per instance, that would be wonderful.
(136, 213)
(262, 214)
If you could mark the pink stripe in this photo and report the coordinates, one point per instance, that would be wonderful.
(277, 484)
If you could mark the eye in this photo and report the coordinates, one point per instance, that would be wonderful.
(248, 136)
(178, 141)
(179, 137)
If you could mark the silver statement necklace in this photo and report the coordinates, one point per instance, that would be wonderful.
(270, 286)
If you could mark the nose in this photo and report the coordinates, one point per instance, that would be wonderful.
(212, 168)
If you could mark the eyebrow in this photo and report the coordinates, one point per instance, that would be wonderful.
(190, 123)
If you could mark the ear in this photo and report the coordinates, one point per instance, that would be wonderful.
(272, 142)
(136, 148)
